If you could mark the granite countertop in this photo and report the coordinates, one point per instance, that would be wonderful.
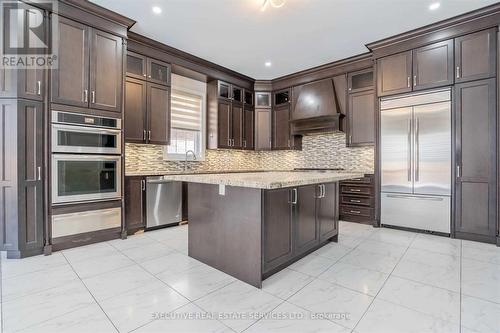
(266, 180)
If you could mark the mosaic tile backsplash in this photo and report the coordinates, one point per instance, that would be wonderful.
(318, 151)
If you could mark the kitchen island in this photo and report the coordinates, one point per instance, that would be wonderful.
(251, 225)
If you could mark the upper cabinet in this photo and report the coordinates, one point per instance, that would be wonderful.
(263, 121)
(475, 56)
(433, 65)
(394, 74)
(361, 109)
(147, 100)
(360, 81)
(144, 68)
(90, 67)
(282, 137)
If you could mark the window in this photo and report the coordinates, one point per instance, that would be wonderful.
(188, 117)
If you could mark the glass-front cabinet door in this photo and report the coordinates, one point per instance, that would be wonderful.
(263, 99)
(158, 72)
(248, 97)
(136, 65)
(237, 94)
(224, 90)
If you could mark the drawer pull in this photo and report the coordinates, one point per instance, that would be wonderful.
(355, 190)
(355, 211)
(356, 201)
(358, 179)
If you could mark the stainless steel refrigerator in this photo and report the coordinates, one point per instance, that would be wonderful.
(416, 161)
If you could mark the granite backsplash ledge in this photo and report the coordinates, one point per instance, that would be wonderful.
(318, 151)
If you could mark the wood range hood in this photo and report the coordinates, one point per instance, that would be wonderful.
(316, 108)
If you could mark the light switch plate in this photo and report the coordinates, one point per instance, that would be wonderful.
(222, 189)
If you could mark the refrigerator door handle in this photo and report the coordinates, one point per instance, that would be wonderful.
(409, 150)
(415, 197)
(417, 150)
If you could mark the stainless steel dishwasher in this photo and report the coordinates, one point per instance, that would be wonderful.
(163, 202)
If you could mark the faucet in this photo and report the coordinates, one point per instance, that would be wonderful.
(186, 159)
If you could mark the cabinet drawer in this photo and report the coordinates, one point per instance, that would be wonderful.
(356, 211)
(356, 189)
(362, 180)
(357, 201)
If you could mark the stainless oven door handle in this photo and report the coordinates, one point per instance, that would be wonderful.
(85, 129)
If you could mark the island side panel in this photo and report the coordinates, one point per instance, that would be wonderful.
(225, 230)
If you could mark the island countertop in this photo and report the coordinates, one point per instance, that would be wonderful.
(266, 180)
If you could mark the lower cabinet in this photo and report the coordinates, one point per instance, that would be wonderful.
(296, 220)
(21, 184)
(135, 203)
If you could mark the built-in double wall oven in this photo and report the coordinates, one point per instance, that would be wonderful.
(86, 158)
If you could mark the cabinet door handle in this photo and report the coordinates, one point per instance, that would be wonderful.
(458, 72)
(143, 184)
(149, 135)
(144, 135)
(288, 143)
(408, 82)
(324, 190)
(355, 211)
(85, 95)
(93, 96)
(458, 171)
(355, 190)
(415, 81)
(39, 172)
(38, 88)
(244, 143)
(355, 201)
(294, 196)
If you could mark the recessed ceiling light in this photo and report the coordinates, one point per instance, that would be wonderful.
(156, 10)
(434, 6)
(267, 64)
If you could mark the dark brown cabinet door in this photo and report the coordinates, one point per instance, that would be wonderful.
(224, 90)
(327, 211)
(361, 80)
(305, 222)
(237, 94)
(476, 145)
(224, 124)
(135, 110)
(361, 119)
(106, 71)
(433, 65)
(263, 129)
(278, 233)
(158, 72)
(475, 56)
(263, 99)
(158, 114)
(70, 81)
(136, 65)
(135, 217)
(30, 150)
(31, 84)
(281, 127)
(248, 124)
(394, 74)
(237, 125)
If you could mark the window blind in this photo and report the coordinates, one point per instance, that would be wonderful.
(186, 110)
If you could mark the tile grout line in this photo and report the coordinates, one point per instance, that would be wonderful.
(388, 277)
(92, 295)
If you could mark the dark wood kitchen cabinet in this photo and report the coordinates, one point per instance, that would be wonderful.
(394, 74)
(426, 67)
(158, 114)
(149, 69)
(297, 220)
(433, 65)
(327, 211)
(475, 56)
(282, 138)
(24, 83)
(226, 116)
(89, 73)
(248, 127)
(147, 112)
(263, 128)
(476, 169)
(360, 80)
(21, 183)
(306, 222)
(135, 203)
(361, 119)
(278, 232)
(357, 199)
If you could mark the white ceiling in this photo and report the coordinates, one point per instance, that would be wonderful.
(302, 34)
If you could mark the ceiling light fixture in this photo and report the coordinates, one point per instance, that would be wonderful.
(267, 64)
(156, 10)
(273, 3)
(434, 6)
